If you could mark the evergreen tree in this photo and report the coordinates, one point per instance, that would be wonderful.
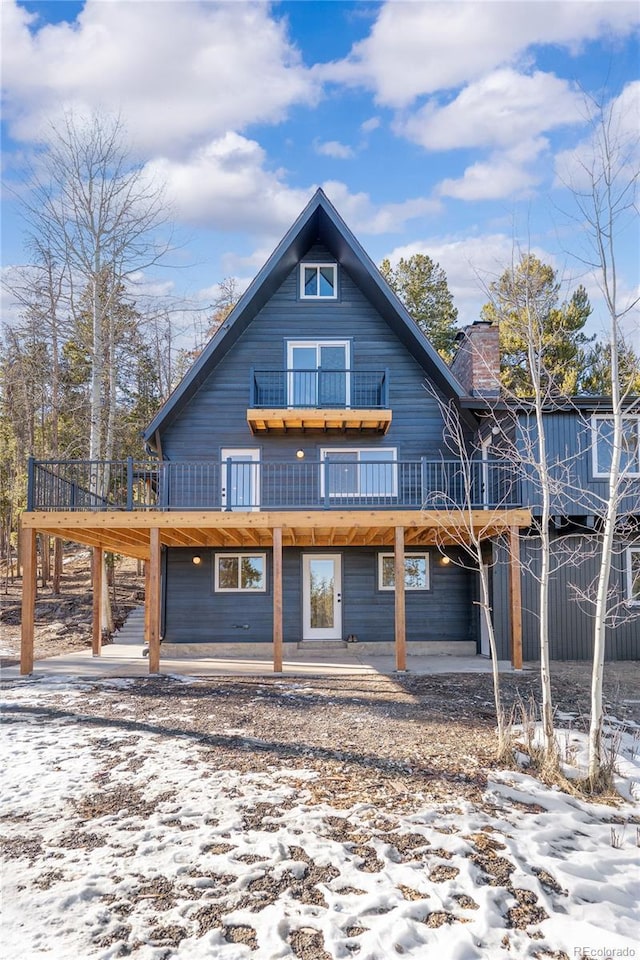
(422, 287)
(596, 377)
(525, 302)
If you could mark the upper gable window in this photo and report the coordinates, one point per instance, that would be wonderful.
(318, 281)
(602, 431)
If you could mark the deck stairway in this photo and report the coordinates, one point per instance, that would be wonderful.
(132, 631)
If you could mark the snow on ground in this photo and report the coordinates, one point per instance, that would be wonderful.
(123, 843)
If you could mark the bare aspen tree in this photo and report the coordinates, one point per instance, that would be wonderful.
(101, 218)
(525, 297)
(461, 492)
(603, 179)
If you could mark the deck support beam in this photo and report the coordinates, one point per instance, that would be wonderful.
(400, 612)
(96, 585)
(515, 598)
(277, 600)
(153, 600)
(29, 589)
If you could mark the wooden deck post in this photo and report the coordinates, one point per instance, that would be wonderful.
(400, 615)
(154, 600)
(515, 598)
(96, 578)
(147, 590)
(29, 583)
(277, 599)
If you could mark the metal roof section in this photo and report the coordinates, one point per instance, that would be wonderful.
(318, 222)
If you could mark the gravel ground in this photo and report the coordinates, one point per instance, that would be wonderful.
(362, 758)
(380, 739)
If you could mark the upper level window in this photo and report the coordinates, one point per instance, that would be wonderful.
(359, 472)
(318, 281)
(633, 575)
(602, 436)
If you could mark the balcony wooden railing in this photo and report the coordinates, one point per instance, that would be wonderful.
(86, 485)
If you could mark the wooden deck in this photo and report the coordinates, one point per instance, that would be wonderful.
(143, 533)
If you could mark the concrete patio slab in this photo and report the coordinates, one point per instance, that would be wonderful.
(125, 660)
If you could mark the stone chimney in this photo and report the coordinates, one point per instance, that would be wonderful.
(476, 363)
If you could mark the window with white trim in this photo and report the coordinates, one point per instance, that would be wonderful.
(318, 281)
(240, 572)
(633, 576)
(602, 445)
(319, 373)
(359, 472)
(416, 571)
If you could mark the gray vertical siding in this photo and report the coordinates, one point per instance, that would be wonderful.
(576, 491)
(196, 614)
(571, 621)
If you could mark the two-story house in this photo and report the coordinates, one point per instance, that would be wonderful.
(302, 489)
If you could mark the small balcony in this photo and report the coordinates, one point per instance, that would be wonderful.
(343, 484)
(326, 400)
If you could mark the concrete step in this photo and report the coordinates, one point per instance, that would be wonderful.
(132, 630)
(310, 645)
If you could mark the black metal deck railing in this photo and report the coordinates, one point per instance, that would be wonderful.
(85, 485)
(319, 389)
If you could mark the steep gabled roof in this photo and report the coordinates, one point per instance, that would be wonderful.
(319, 222)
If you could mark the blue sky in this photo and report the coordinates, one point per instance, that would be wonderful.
(435, 127)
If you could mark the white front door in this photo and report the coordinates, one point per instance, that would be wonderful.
(321, 596)
(240, 478)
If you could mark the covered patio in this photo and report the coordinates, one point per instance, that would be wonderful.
(142, 534)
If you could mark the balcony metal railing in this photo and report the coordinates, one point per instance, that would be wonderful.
(85, 485)
(319, 389)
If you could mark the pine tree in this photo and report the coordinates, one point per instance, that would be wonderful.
(422, 287)
(525, 301)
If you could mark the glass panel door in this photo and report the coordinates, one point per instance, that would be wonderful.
(318, 374)
(321, 597)
(240, 479)
(332, 375)
(303, 379)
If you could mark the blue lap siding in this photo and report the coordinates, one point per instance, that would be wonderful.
(195, 613)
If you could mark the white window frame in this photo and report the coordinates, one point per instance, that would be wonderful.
(355, 451)
(317, 267)
(407, 556)
(318, 343)
(238, 556)
(631, 600)
(595, 436)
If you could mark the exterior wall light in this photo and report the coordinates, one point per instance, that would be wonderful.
(300, 454)
(445, 561)
(196, 560)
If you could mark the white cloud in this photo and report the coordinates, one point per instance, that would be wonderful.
(177, 72)
(499, 110)
(504, 174)
(226, 185)
(363, 216)
(370, 125)
(335, 149)
(415, 49)
(471, 263)
(623, 133)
